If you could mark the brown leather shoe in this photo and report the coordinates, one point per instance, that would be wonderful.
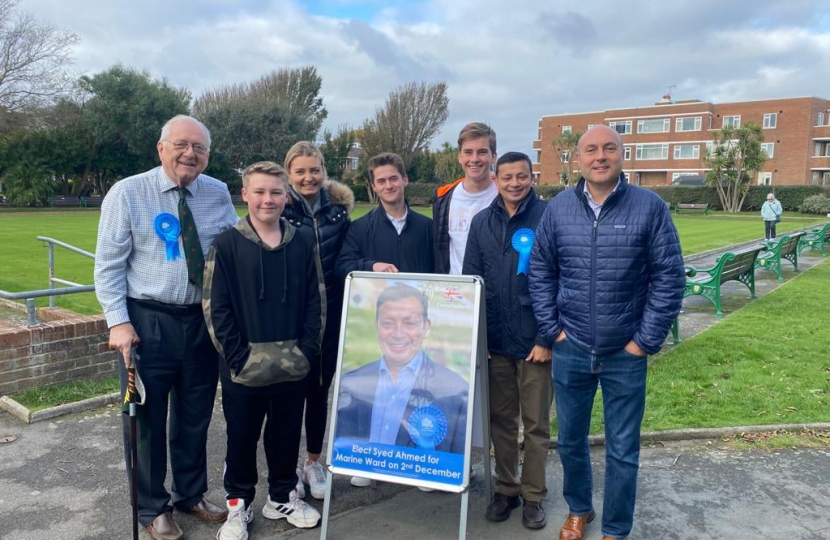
(164, 528)
(209, 512)
(574, 527)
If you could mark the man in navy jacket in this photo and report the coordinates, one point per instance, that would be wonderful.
(498, 250)
(606, 281)
(391, 237)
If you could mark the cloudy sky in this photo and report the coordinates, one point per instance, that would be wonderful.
(506, 63)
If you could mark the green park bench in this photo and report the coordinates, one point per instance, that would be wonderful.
(778, 250)
(816, 240)
(692, 206)
(60, 201)
(730, 266)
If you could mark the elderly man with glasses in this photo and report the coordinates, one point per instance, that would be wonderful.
(154, 231)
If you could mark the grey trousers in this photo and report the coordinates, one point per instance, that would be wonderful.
(520, 388)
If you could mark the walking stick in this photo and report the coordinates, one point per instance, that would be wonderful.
(133, 444)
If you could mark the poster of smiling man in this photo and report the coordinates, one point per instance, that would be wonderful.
(405, 380)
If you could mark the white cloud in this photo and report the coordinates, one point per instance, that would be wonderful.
(506, 63)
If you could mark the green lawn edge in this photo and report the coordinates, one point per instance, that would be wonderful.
(46, 397)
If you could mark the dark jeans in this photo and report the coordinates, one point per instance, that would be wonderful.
(622, 377)
(769, 229)
(177, 363)
(244, 414)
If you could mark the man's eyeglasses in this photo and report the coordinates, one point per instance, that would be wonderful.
(182, 146)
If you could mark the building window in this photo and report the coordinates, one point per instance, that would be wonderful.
(356, 144)
(590, 126)
(627, 153)
(770, 120)
(623, 128)
(686, 151)
(655, 125)
(769, 148)
(652, 151)
(765, 179)
(820, 119)
(566, 129)
(353, 163)
(732, 121)
(827, 150)
(538, 156)
(825, 179)
(816, 176)
(566, 156)
(677, 175)
(817, 150)
(688, 124)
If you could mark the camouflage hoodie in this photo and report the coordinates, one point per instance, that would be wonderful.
(262, 307)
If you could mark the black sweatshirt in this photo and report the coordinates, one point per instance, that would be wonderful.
(262, 306)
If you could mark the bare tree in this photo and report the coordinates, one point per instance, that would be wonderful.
(407, 122)
(33, 58)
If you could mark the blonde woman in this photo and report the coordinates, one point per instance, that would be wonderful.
(319, 208)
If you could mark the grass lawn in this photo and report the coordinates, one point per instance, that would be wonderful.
(45, 397)
(765, 364)
(23, 263)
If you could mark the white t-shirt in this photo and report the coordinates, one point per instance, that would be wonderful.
(463, 207)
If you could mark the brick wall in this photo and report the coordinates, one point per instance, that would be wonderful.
(58, 350)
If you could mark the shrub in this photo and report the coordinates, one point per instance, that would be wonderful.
(815, 204)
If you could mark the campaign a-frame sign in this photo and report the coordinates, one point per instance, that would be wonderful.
(409, 386)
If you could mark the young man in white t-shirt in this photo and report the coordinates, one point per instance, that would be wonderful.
(457, 203)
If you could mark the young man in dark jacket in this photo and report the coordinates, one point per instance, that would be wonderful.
(391, 237)
(606, 281)
(262, 308)
(498, 250)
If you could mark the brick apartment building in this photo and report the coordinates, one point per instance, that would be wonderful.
(668, 139)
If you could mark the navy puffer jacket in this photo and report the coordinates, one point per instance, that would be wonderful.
(511, 325)
(609, 280)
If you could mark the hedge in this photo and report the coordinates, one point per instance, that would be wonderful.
(791, 197)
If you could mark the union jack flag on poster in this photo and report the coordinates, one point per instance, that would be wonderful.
(452, 294)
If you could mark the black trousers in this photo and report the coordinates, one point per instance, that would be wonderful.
(179, 364)
(317, 389)
(244, 413)
(769, 227)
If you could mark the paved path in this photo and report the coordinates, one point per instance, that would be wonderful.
(65, 480)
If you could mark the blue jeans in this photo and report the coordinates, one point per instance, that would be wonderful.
(622, 377)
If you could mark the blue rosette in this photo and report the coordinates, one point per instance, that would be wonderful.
(427, 427)
(523, 244)
(167, 228)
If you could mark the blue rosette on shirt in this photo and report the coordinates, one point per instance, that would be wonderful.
(523, 244)
(427, 427)
(167, 228)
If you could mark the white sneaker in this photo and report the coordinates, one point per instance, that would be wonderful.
(300, 487)
(315, 476)
(236, 526)
(296, 511)
(359, 481)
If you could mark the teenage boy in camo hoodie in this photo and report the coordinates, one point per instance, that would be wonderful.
(262, 307)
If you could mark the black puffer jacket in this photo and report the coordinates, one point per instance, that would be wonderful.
(327, 227)
(441, 227)
(511, 325)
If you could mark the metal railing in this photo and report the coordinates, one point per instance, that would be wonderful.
(70, 286)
